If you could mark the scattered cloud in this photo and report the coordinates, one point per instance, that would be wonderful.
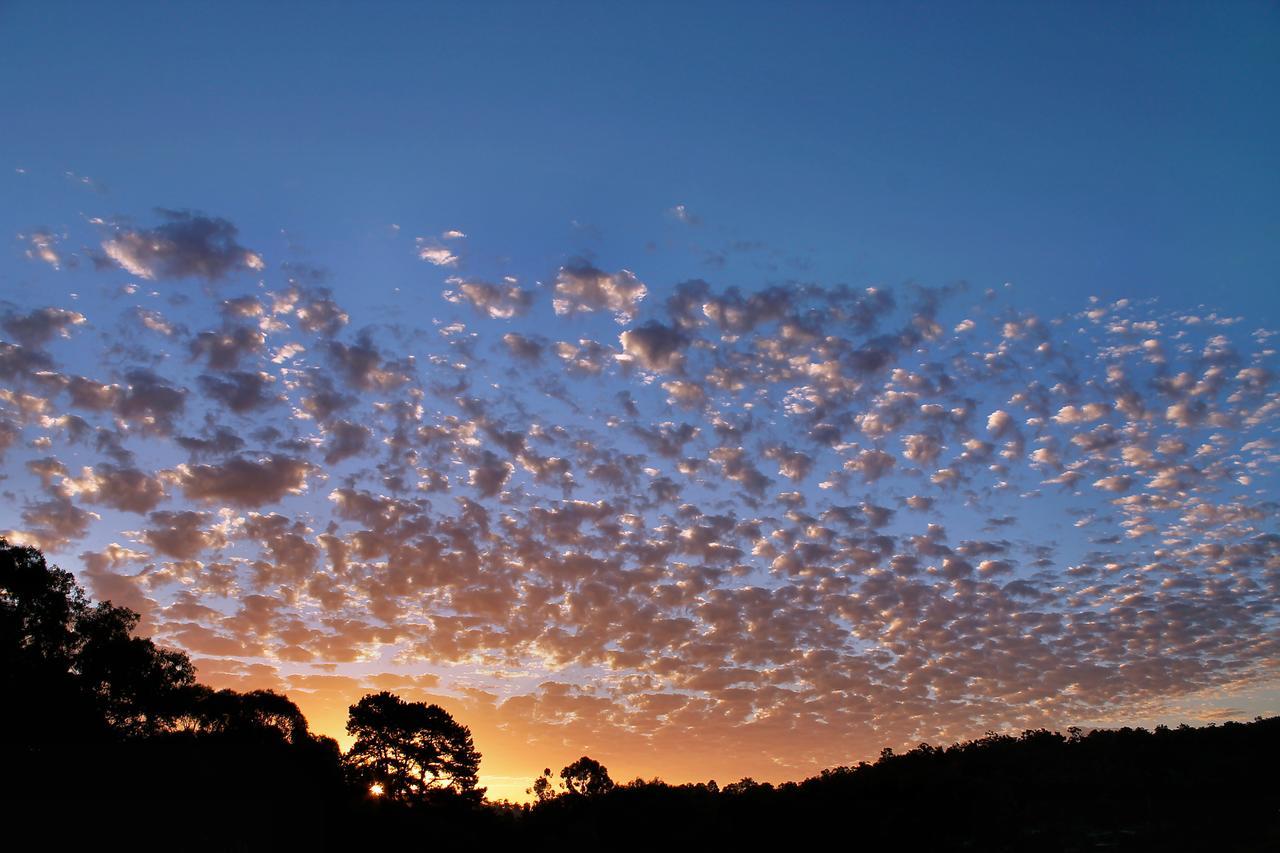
(896, 514)
(433, 253)
(185, 245)
(498, 301)
(581, 288)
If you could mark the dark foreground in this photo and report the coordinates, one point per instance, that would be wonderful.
(1210, 789)
(107, 742)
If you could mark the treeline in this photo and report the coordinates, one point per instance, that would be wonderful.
(110, 740)
(1197, 789)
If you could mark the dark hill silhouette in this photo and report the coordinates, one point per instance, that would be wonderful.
(1212, 788)
(108, 741)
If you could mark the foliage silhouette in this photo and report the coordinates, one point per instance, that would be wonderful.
(410, 749)
(95, 715)
(82, 673)
(586, 777)
(543, 788)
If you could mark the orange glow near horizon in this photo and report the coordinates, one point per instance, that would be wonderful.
(515, 749)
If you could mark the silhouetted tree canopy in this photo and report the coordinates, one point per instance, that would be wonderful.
(78, 665)
(261, 712)
(410, 748)
(81, 690)
(543, 788)
(587, 777)
(139, 687)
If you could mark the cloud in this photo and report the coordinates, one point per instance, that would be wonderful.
(872, 464)
(490, 475)
(37, 328)
(127, 489)
(727, 521)
(240, 391)
(220, 441)
(245, 482)
(179, 534)
(317, 312)
(587, 357)
(22, 363)
(363, 365)
(581, 288)
(736, 313)
(51, 524)
(1081, 414)
(683, 214)
(921, 449)
(667, 438)
(999, 422)
(655, 346)
(43, 247)
(737, 466)
(500, 302)
(146, 399)
(793, 464)
(1115, 483)
(346, 440)
(225, 348)
(435, 254)
(684, 393)
(522, 347)
(185, 245)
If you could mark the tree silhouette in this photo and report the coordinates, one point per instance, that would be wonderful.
(256, 713)
(138, 687)
(39, 606)
(543, 787)
(410, 748)
(81, 672)
(586, 776)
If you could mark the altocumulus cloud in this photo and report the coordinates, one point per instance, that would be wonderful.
(184, 245)
(798, 521)
(245, 482)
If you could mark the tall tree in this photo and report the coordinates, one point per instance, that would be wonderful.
(586, 776)
(410, 748)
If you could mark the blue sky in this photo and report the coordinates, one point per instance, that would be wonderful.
(1093, 146)
(978, 387)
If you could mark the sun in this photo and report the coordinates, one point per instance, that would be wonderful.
(376, 789)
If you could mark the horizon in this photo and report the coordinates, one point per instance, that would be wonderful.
(711, 403)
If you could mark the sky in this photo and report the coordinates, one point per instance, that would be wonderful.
(718, 390)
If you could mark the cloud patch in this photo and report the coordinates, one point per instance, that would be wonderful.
(185, 245)
(581, 288)
(243, 481)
